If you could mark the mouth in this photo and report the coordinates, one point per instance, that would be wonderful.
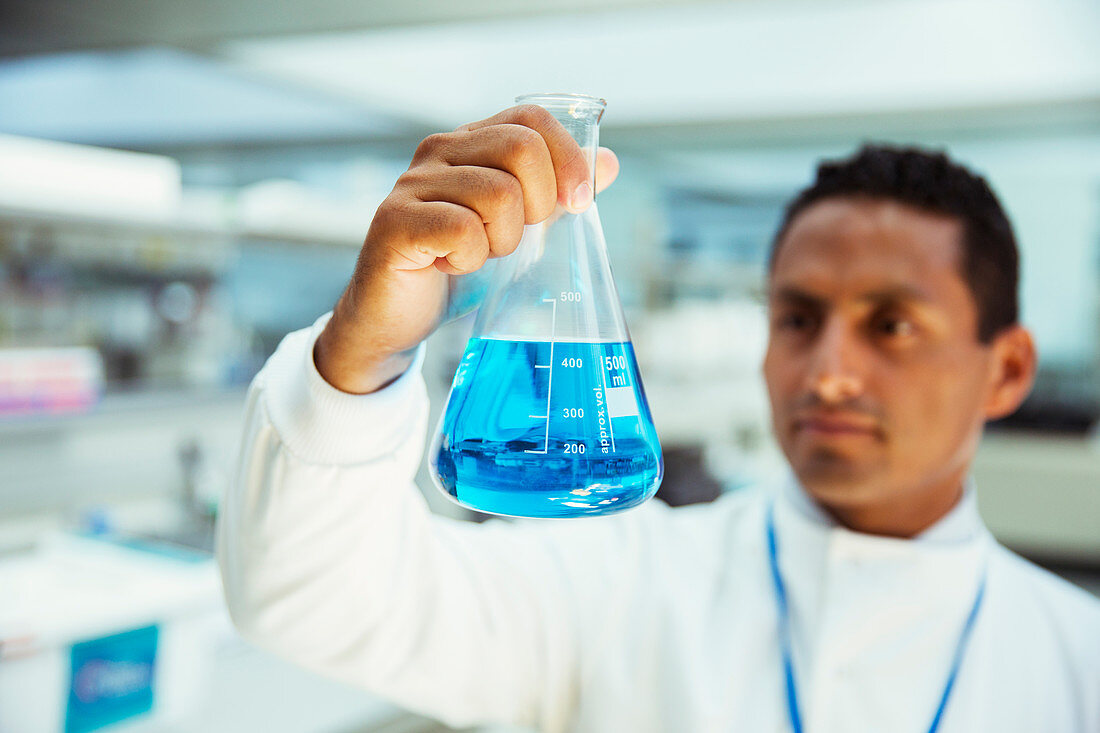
(822, 425)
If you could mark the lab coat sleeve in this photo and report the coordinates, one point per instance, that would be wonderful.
(330, 558)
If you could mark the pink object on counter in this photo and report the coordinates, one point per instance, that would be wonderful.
(54, 381)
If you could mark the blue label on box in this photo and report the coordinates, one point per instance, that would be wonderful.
(111, 680)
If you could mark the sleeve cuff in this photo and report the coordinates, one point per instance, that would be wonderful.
(320, 424)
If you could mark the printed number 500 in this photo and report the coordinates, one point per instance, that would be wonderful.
(615, 362)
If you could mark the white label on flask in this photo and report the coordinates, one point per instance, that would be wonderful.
(621, 402)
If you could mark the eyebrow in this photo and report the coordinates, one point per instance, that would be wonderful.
(892, 294)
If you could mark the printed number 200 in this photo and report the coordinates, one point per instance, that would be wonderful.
(574, 447)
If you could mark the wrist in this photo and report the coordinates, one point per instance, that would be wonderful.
(356, 367)
(320, 424)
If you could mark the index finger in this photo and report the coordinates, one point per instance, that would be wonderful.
(571, 169)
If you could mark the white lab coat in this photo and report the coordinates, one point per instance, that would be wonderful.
(658, 619)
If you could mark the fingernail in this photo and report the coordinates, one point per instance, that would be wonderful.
(582, 197)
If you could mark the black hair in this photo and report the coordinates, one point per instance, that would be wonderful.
(930, 181)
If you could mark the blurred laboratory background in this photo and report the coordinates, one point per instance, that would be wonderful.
(182, 183)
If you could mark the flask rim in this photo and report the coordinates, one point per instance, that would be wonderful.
(561, 98)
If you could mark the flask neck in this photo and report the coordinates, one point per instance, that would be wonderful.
(580, 116)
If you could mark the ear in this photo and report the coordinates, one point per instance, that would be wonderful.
(1013, 364)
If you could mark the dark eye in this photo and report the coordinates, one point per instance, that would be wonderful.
(896, 327)
(794, 321)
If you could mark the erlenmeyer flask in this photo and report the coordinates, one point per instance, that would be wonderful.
(547, 416)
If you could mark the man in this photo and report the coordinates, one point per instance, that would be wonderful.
(862, 594)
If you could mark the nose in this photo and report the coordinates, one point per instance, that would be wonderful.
(835, 374)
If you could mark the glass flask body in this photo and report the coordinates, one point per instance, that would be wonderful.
(547, 416)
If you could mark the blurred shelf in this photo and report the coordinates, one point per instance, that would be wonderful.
(671, 278)
(1038, 494)
(122, 408)
(153, 240)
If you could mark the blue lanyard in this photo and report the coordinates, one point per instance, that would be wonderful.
(783, 610)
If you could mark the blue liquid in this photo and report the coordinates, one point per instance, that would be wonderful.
(500, 450)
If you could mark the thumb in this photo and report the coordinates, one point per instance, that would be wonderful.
(607, 168)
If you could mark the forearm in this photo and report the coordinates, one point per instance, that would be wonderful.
(330, 558)
(321, 499)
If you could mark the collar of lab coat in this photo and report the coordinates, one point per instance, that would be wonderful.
(859, 590)
(961, 524)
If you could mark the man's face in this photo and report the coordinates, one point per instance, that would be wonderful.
(876, 378)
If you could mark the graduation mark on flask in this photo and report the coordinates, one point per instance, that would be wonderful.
(550, 377)
(610, 394)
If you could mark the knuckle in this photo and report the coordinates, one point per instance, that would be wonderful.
(531, 115)
(502, 189)
(462, 225)
(388, 213)
(431, 144)
(409, 179)
(521, 148)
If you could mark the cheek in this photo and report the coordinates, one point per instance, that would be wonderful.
(779, 373)
(933, 410)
